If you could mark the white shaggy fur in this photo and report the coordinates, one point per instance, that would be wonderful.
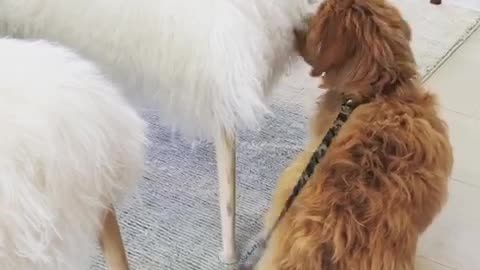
(206, 64)
(70, 145)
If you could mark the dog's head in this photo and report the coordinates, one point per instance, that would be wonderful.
(366, 40)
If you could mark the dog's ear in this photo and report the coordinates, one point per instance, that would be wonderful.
(407, 31)
(300, 44)
(328, 44)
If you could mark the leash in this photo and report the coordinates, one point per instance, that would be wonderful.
(260, 243)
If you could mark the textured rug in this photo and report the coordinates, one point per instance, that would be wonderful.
(172, 222)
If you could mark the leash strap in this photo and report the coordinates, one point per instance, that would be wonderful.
(346, 109)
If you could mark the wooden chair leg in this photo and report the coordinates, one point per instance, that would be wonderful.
(112, 244)
(226, 166)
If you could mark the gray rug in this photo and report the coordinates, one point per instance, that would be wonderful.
(173, 220)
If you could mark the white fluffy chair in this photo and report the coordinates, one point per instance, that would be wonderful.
(207, 65)
(70, 147)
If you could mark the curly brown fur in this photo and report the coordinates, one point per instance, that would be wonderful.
(384, 178)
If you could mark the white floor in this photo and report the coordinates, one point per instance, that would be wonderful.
(453, 241)
(474, 4)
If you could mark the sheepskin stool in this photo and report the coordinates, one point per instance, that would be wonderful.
(207, 66)
(70, 148)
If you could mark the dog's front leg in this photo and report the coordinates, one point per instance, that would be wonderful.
(112, 244)
(226, 168)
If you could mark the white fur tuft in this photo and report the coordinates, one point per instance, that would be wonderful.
(205, 64)
(70, 145)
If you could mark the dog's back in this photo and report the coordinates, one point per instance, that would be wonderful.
(380, 185)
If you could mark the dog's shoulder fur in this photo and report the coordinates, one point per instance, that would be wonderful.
(384, 178)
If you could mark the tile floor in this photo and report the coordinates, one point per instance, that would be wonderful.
(453, 241)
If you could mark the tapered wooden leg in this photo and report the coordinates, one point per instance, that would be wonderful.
(112, 244)
(226, 166)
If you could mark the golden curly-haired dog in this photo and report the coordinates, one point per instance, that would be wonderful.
(384, 177)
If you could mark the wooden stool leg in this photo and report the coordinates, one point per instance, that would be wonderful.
(112, 244)
(226, 166)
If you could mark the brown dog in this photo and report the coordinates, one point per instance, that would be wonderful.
(384, 177)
